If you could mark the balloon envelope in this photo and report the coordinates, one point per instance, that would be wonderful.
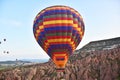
(58, 30)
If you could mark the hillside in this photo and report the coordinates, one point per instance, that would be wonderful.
(87, 64)
(101, 45)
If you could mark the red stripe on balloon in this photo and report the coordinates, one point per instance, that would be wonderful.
(58, 37)
(57, 18)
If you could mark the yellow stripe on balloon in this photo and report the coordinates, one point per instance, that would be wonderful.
(41, 27)
(38, 31)
(57, 22)
(58, 40)
(59, 55)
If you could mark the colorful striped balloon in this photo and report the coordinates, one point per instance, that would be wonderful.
(58, 30)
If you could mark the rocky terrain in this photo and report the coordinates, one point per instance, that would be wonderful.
(101, 45)
(98, 64)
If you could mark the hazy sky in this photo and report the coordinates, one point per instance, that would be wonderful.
(101, 18)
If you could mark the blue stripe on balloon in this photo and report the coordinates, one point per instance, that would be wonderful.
(58, 28)
(59, 46)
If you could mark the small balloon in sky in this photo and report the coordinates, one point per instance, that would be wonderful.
(7, 52)
(4, 39)
(4, 51)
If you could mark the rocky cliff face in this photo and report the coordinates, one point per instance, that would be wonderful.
(101, 45)
(94, 65)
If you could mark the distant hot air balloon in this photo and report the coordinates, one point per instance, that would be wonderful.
(7, 52)
(4, 39)
(4, 51)
(58, 30)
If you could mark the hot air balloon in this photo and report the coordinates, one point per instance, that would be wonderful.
(7, 52)
(58, 30)
(4, 51)
(4, 39)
